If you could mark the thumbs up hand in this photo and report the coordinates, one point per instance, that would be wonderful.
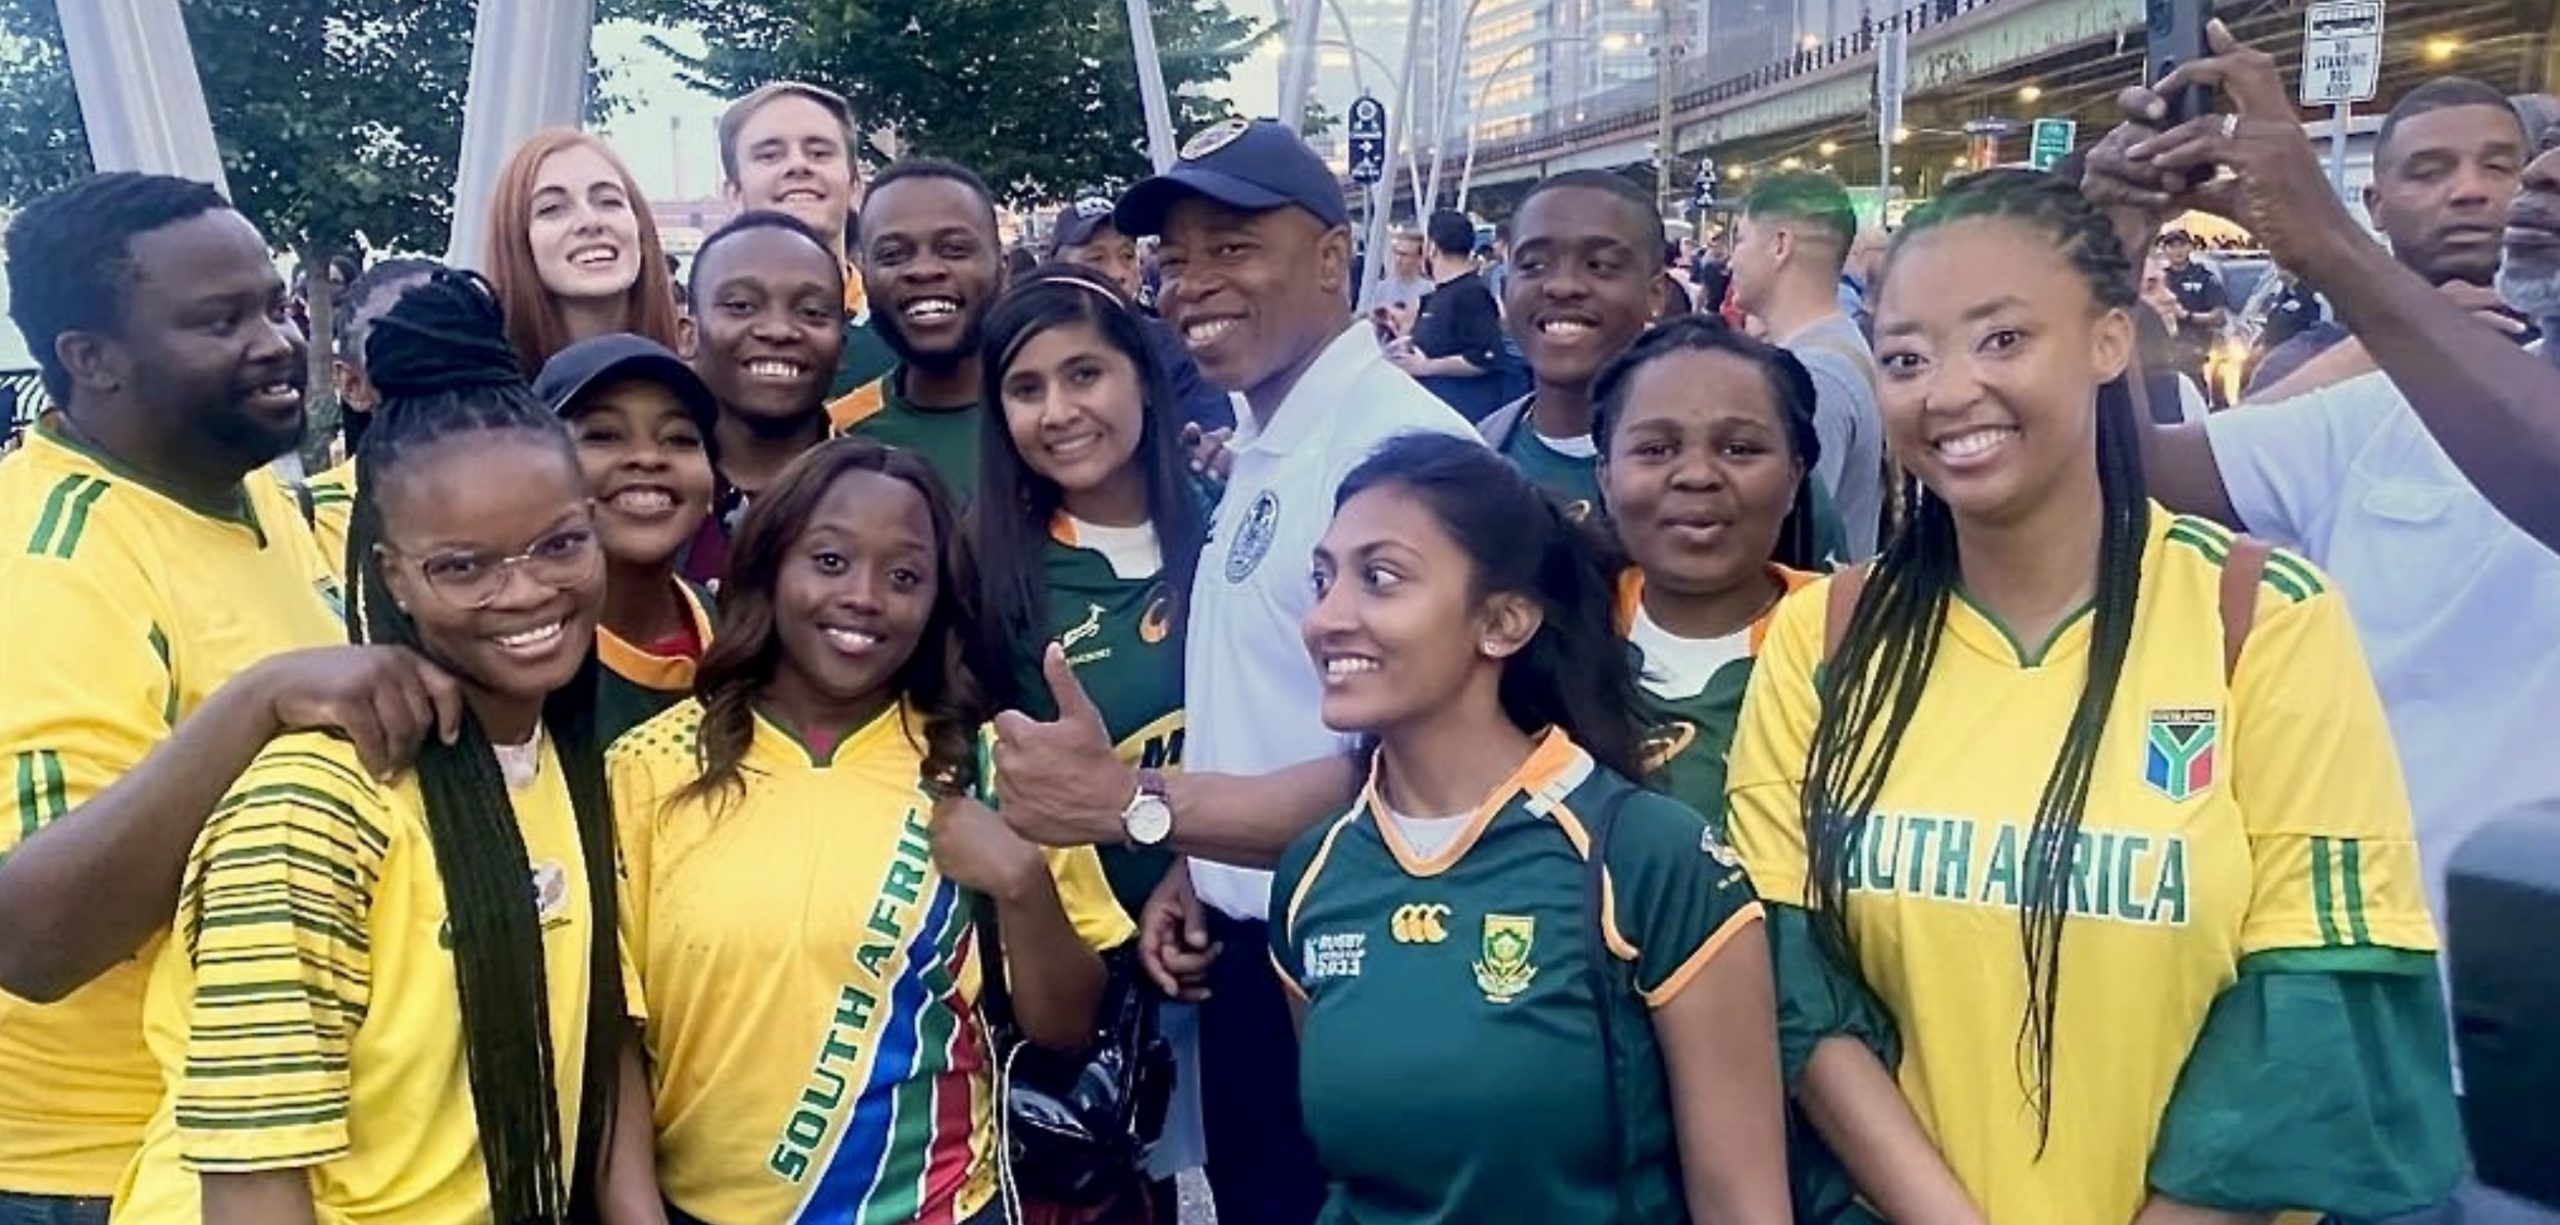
(1058, 782)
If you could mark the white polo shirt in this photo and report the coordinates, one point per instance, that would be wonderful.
(2458, 609)
(1250, 694)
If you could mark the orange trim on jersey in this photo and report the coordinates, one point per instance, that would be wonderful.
(1631, 597)
(855, 407)
(1287, 982)
(1324, 850)
(1062, 528)
(664, 673)
(1617, 942)
(1749, 914)
(1555, 754)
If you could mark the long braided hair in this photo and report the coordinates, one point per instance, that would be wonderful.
(1883, 661)
(441, 359)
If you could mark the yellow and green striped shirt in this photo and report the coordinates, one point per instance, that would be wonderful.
(305, 1015)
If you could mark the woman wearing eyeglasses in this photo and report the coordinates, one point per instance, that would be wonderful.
(332, 925)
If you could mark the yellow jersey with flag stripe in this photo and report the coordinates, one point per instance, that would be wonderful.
(2223, 819)
(304, 1012)
(126, 610)
(812, 978)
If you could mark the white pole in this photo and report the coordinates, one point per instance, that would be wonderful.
(1142, 41)
(528, 72)
(1298, 66)
(1397, 124)
(2338, 117)
(1448, 103)
(140, 98)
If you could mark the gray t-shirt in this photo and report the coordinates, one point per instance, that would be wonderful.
(1387, 290)
(1851, 426)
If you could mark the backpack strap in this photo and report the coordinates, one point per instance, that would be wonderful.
(1841, 605)
(1601, 967)
(2241, 571)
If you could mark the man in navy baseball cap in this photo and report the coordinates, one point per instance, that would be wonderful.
(1254, 254)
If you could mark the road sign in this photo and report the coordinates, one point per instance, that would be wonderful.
(2341, 52)
(1366, 125)
(1704, 195)
(2050, 141)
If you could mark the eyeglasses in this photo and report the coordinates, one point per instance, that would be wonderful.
(472, 581)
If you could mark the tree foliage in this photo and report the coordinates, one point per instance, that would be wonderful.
(335, 121)
(1039, 96)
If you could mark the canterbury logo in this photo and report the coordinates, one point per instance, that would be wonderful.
(1420, 923)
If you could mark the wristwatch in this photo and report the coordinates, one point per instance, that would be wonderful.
(1149, 816)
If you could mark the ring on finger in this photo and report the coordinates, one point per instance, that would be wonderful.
(2230, 125)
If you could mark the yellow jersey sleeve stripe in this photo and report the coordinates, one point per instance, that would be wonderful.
(159, 641)
(42, 791)
(1663, 993)
(65, 516)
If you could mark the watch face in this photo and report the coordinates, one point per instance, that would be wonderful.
(1148, 820)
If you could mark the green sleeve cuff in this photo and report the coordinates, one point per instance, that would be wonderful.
(1818, 999)
(2321, 1082)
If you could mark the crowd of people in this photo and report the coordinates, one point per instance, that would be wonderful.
(871, 735)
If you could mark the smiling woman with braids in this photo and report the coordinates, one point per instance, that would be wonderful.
(332, 927)
(2054, 723)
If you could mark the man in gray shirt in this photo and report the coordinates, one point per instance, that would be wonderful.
(1789, 245)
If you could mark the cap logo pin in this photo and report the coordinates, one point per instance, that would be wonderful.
(1216, 136)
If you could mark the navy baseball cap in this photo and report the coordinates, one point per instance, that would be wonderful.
(601, 361)
(1255, 165)
(1078, 222)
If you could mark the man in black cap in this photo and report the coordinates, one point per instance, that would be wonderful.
(1255, 253)
(2203, 305)
(1083, 235)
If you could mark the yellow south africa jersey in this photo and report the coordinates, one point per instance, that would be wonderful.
(126, 610)
(306, 1013)
(2222, 821)
(812, 979)
(332, 496)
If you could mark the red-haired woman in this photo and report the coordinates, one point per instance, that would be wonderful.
(573, 250)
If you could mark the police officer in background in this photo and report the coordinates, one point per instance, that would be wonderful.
(2203, 305)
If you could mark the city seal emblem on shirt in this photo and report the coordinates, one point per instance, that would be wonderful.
(1253, 539)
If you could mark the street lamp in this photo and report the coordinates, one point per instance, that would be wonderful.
(1467, 173)
(2029, 93)
(2440, 48)
(1828, 148)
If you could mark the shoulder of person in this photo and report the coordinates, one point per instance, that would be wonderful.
(673, 734)
(315, 780)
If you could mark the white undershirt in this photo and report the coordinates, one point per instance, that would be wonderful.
(521, 764)
(1677, 667)
(1580, 446)
(1132, 551)
(1428, 836)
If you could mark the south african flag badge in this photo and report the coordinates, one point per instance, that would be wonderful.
(2179, 753)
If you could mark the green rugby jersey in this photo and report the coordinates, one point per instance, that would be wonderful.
(1117, 624)
(947, 438)
(637, 681)
(1689, 720)
(1571, 479)
(1456, 1076)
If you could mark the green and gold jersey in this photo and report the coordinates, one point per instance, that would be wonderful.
(2225, 818)
(1689, 695)
(638, 682)
(304, 1013)
(1452, 1071)
(126, 610)
(1570, 478)
(1111, 610)
(947, 438)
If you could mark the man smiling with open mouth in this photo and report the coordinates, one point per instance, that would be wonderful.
(931, 260)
